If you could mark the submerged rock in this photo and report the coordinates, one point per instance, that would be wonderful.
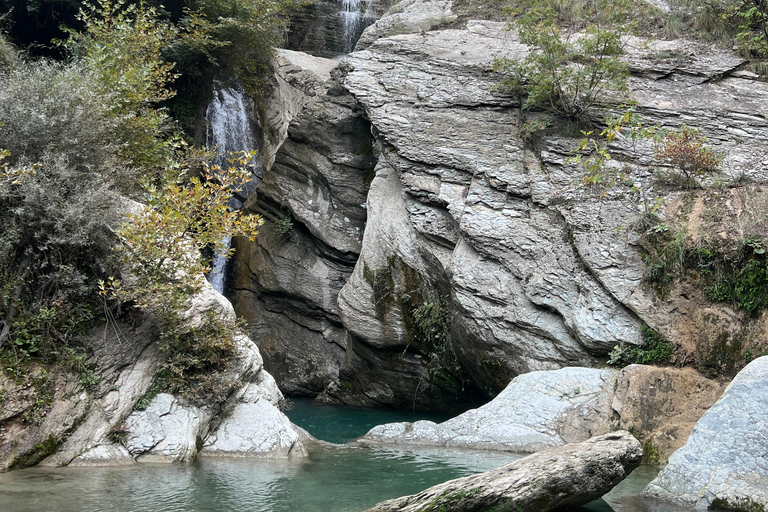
(568, 476)
(541, 410)
(724, 464)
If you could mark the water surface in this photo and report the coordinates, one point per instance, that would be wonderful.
(343, 479)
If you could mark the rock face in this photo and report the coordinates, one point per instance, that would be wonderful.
(101, 426)
(319, 164)
(555, 479)
(541, 410)
(533, 271)
(406, 17)
(725, 461)
(330, 29)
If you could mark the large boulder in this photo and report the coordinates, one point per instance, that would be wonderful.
(555, 479)
(724, 464)
(541, 410)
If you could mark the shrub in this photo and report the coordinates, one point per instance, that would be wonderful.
(567, 73)
(655, 350)
(686, 149)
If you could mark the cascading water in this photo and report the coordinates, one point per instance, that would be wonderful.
(229, 130)
(355, 16)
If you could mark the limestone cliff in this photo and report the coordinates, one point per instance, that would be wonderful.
(481, 254)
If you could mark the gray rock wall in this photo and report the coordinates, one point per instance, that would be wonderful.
(534, 270)
(539, 272)
(320, 160)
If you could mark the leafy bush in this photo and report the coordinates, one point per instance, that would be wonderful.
(55, 201)
(121, 48)
(567, 73)
(742, 279)
(686, 149)
(433, 334)
(655, 350)
(161, 247)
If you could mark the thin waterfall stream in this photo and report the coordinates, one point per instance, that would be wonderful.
(355, 16)
(228, 130)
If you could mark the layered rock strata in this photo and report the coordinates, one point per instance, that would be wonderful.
(319, 162)
(535, 271)
(555, 479)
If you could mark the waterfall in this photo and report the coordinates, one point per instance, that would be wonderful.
(355, 16)
(228, 129)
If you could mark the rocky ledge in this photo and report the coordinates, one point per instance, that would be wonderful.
(114, 422)
(541, 410)
(555, 479)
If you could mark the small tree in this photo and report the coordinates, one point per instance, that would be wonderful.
(565, 72)
(686, 149)
(122, 48)
(161, 248)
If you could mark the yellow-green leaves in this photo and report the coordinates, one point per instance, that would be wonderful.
(162, 244)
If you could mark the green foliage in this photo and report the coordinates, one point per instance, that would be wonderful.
(55, 203)
(161, 247)
(121, 47)
(666, 254)
(655, 350)
(751, 17)
(42, 382)
(686, 149)
(593, 154)
(281, 226)
(118, 434)
(736, 505)
(742, 278)
(197, 360)
(75, 133)
(564, 73)
(143, 402)
(433, 334)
